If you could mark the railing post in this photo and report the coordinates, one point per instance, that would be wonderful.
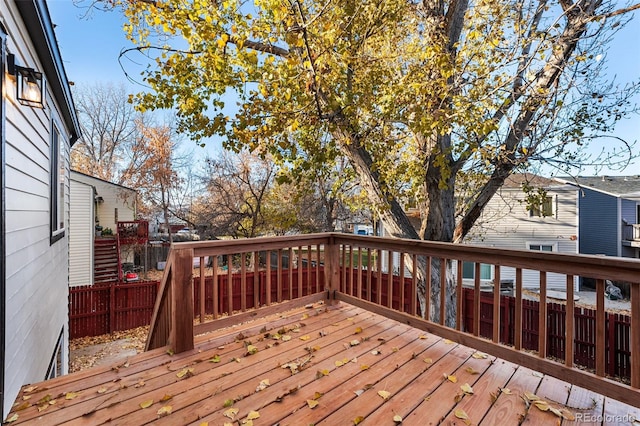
(331, 268)
(181, 329)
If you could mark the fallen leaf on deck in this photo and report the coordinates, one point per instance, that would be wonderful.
(231, 413)
(531, 396)
(462, 415)
(227, 403)
(358, 330)
(185, 372)
(397, 419)
(384, 394)
(304, 316)
(30, 389)
(448, 342)
(358, 420)
(394, 349)
(364, 367)
(451, 378)
(139, 384)
(146, 404)
(22, 406)
(542, 405)
(215, 359)
(253, 415)
(71, 395)
(376, 352)
(354, 343)
(251, 349)
(166, 397)
(470, 370)
(467, 389)
(506, 391)
(12, 418)
(428, 360)
(537, 374)
(423, 337)
(286, 338)
(102, 390)
(339, 363)
(164, 411)
(305, 338)
(479, 355)
(321, 373)
(312, 403)
(263, 385)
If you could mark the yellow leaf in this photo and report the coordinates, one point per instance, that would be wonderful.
(322, 373)
(12, 418)
(364, 367)
(166, 397)
(22, 406)
(423, 337)
(338, 363)
(479, 355)
(470, 370)
(30, 389)
(204, 424)
(231, 413)
(428, 360)
(448, 342)
(466, 388)
(102, 390)
(312, 403)
(286, 338)
(567, 415)
(146, 404)
(263, 385)
(164, 411)
(304, 316)
(305, 338)
(462, 415)
(397, 419)
(384, 394)
(251, 349)
(542, 405)
(215, 359)
(71, 395)
(354, 342)
(452, 378)
(185, 372)
(317, 395)
(358, 330)
(531, 396)
(253, 415)
(358, 420)
(227, 403)
(506, 391)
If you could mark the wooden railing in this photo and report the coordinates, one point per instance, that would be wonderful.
(374, 273)
(133, 232)
(631, 232)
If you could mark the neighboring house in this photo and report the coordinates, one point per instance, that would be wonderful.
(508, 222)
(94, 202)
(37, 133)
(609, 215)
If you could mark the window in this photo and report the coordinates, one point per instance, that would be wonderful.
(542, 208)
(541, 246)
(468, 271)
(57, 179)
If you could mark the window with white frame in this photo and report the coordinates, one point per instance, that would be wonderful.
(542, 246)
(469, 271)
(57, 188)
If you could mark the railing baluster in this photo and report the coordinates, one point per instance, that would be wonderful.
(600, 328)
(427, 291)
(309, 257)
(569, 324)
(351, 288)
(230, 284)
(542, 316)
(401, 280)
(290, 264)
(359, 289)
(300, 264)
(459, 297)
(497, 288)
(369, 273)
(317, 267)
(413, 306)
(256, 279)
(214, 283)
(202, 290)
(268, 279)
(635, 335)
(476, 299)
(279, 277)
(517, 338)
(243, 281)
(443, 292)
(390, 280)
(379, 280)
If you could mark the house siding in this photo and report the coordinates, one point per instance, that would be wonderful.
(505, 223)
(36, 270)
(600, 211)
(81, 234)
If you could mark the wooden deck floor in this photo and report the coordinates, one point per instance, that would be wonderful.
(351, 366)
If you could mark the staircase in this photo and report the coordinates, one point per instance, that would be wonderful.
(106, 263)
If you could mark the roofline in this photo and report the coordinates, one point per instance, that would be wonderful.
(592, 188)
(35, 15)
(102, 180)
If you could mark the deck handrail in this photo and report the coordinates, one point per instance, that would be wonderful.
(351, 268)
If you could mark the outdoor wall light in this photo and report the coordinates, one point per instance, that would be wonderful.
(29, 84)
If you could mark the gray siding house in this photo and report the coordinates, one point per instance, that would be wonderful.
(609, 215)
(38, 127)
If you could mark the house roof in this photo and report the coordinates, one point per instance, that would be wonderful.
(75, 172)
(35, 15)
(613, 185)
(517, 179)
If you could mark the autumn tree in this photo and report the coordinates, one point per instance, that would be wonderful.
(422, 98)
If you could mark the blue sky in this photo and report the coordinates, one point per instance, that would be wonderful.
(90, 47)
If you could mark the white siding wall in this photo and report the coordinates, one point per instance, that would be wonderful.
(81, 234)
(506, 224)
(37, 272)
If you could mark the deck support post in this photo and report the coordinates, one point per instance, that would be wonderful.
(181, 329)
(332, 268)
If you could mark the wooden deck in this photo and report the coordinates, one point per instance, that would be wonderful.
(333, 365)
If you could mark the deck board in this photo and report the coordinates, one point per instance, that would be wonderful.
(389, 356)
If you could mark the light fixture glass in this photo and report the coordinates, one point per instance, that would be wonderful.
(29, 84)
